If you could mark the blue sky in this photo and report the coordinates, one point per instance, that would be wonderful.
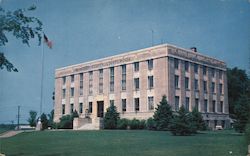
(83, 30)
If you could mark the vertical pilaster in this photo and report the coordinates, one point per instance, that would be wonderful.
(58, 99)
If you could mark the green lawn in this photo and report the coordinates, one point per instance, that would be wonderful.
(123, 143)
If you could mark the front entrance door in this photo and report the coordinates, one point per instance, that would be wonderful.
(100, 109)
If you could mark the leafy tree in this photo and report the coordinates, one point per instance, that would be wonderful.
(182, 123)
(242, 113)
(238, 84)
(32, 118)
(45, 121)
(163, 114)
(22, 27)
(111, 117)
(197, 120)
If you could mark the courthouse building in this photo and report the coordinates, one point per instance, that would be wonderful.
(136, 81)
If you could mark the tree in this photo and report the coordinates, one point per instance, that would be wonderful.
(51, 117)
(242, 113)
(66, 122)
(182, 124)
(22, 27)
(32, 118)
(111, 117)
(197, 120)
(45, 121)
(163, 114)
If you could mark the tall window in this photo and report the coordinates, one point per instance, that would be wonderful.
(136, 83)
(205, 86)
(176, 63)
(186, 83)
(186, 66)
(64, 80)
(124, 77)
(72, 92)
(196, 66)
(111, 102)
(80, 108)
(187, 104)
(151, 103)
(205, 105)
(124, 105)
(220, 88)
(213, 72)
(220, 74)
(214, 106)
(90, 107)
(90, 82)
(221, 106)
(63, 109)
(63, 93)
(112, 79)
(136, 66)
(176, 81)
(81, 84)
(100, 81)
(197, 103)
(150, 64)
(137, 104)
(204, 70)
(72, 78)
(177, 99)
(71, 108)
(150, 82)
(196, 84)
(213, 87)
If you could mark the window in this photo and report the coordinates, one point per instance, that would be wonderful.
(63, 93)
(196, 85)
(186, 66)
(213, 87)
(150, 82)
(213, 72)
(72, 91)
(112, 79)
(136, 66)
(176, 63)
(205, 106)
(197, 104)
(81, 84)
(90, 107)
(196, 66)
(177, 103)
(64, 80)
(204, 70)
(123, 77)
(63, 109)
(71, 108)
(221, 106)
(220, 88)
(80, 108)
(90, 82)
(220, 74)
(100, 81)
(187, 104)
(176, 81)
(186, 83)
(136, 83)
(213, 105)
(150, 64)
(151, 103)
(124, 105)
(137, 104)
(111, 102)
(205, 86)
(72, 78)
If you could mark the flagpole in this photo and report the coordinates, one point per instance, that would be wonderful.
(39, 124)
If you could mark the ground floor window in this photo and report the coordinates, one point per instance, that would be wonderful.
(124, 105)
(63, 109)
(80, 108)
(151, 103)
(137, 104)
(90, 107)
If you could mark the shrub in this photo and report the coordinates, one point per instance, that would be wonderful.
(142, 124)
(134, 124)
(122, 123)
(66, 122)
(111, 117)
(150, 124)
(247, 133)
(44, 121)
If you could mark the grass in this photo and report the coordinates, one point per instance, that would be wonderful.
(123, 143)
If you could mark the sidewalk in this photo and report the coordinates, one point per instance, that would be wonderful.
(9, 134)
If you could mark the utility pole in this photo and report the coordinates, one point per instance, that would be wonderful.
(18, 117)
(152, 37)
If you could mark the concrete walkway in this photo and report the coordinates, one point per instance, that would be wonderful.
(9, 134)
